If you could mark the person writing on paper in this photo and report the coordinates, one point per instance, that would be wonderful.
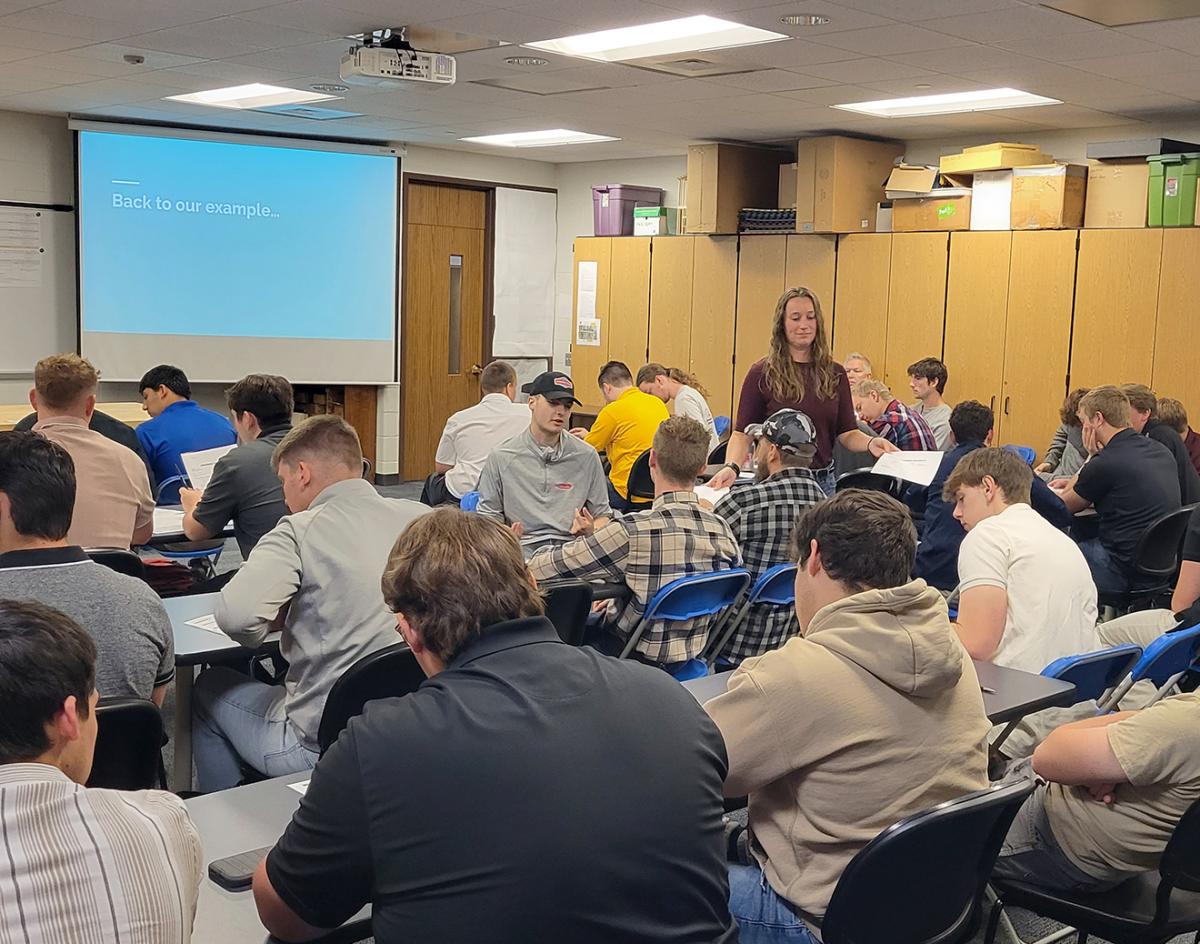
(799, 373)
(891, 419)
(671, 383)
(177, 424)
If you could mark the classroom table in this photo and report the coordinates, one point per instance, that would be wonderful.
(234, 821)
(1008, 694)
(168, 526)
(129, 413)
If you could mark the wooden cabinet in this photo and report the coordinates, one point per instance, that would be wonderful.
(916, 305)
(812, 263)
(586, 359)
(714, 303)
(629, 304)
(762, 263)
(860, 310)
(976, 311)
(1175, 374)
(671, 276)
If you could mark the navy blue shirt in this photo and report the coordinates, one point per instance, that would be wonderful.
(941, 534)
(182, 427)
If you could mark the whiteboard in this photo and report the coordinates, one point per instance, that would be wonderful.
(525, 262)
(37, 286)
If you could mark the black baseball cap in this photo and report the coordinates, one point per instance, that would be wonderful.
(787, 429)
(552, 385)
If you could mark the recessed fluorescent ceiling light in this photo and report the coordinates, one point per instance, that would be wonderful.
(255, 95)
(952, 103)
(689, 34)
(554, 138)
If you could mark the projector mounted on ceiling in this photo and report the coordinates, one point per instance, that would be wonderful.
(383, 58)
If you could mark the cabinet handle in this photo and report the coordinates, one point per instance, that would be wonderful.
(992, 405)
(1006, 406)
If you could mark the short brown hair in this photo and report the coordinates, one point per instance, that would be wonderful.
(1009, 471)
(866, 539)
(930, 369)
(62, 380)
(454, 573)
(267, 396)
(615, 374)
(1141, 398)
(1109, 401)
(326, 437)
(1174, 414)
(649, 372)
(1070, 408)
(496, 376)
(865, 387)
(681, 448)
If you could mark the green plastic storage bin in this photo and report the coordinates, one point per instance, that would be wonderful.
(1172, 195)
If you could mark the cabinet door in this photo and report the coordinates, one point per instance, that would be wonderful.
(761, 264)
(812, 264)
(714, 304)
(976, 308)
(860, 310)
(916, 305)
(629, 302)
(670, 300)
(1175, 373)
(586, 359)
(1116, 303)
(1037, 336)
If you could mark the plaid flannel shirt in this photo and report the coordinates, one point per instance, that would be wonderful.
(646, 550)
(762, 516)
(904, 427)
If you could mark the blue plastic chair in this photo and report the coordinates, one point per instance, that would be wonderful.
(776, 585)
(178, 481)
(469, 502)
(689, 597)
(1095, 676)
(721, 423)
(1025, 452)
(1163, 662)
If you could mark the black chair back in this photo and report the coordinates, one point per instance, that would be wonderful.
(123, 562)
(866, 479)
(1180, 862)
(1157, 553)
(129, 740)
(567, 607)
(717, 456)
(388, 673)
(641, 486)
(921, 881)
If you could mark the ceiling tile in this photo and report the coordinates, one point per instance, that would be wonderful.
(1178, 34)
(1185, 84)
(116, 52)
(793, 54)
(13, 53)
(833, 95)
(865, 70)
(223, 37)
(1092, 44)
(771, 80)
(1010, 24)
(39, 42)
(841, 19)
(510, 26)
(156, 14)
(925, 85)
(320, 58)
(1163, 62)
(956, 59)
(65, 24)
(585, 16)
(913, 11)
(898, 38)
(316, 16)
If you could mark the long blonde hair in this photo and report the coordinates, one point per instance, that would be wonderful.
(652, 370)
(781, 374)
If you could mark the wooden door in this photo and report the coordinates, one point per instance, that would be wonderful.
(761, 264)
(445, 235)
(860, 312)
(976, 309)
(628, 305)
(1175, 374)
(1037, 336)
(916, 305)
(714, 303)
(593, 257)
(671, 276)
(812, 264)
(1116, 304)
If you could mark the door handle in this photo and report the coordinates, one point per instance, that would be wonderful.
(476, 370)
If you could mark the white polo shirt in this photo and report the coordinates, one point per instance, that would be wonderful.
(1051, 594)
(471, 435)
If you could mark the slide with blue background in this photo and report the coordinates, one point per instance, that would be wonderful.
(194, 237)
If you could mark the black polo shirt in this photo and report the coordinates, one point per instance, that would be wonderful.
(1132, 481)
(532, 793)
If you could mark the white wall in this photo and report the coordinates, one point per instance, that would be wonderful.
(469, 166)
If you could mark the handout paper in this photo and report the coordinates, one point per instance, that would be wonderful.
(919, 467)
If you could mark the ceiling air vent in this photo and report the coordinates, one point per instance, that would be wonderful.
(691, 65)
(309, 111)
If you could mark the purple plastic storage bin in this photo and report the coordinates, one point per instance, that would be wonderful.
(612, 207)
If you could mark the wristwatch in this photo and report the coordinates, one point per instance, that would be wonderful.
(737, 469)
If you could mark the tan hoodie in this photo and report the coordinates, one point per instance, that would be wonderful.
(872, 714)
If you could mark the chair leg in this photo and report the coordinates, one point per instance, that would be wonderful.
(989, 936)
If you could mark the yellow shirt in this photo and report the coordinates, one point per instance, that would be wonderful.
(625, 429)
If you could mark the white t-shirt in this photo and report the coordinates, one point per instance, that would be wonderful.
(1051, 595)
(471, 435)
(689, 402)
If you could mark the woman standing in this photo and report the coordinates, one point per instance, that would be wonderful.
(671, 383)
(799, 374)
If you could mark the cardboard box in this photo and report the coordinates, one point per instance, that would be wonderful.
(787, 186)
(839, 182)
(997, 156)
(1050, 197)
(942, 210)
(655, 221)
(991, 200)
(910, 180)
(725, 178)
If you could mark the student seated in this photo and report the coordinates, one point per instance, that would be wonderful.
(671, 383)
(547, 485)
(871, 714)
(471, 435)
(315, 576)
(1130, 480)
(890, 419)
(84, 865)
(927, 380)
(529, 791)
(243, 488)
(1117, 786)
(107, 426)
(941, 532)
(1174, 414)
(762, 515)
(858, 368)
(122, 614)
(649, 549)
(113, 504)
(1066, 454)
(624, 428)
(177, 424)
(1143, 418)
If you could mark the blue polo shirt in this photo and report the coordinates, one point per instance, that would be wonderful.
(182, 427)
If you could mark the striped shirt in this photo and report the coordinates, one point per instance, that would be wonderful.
(647, 550)
(86, 865)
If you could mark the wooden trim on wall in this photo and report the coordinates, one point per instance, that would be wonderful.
(472, 184)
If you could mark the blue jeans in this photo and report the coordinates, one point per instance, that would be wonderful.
(237, 719)
(1108, 576)
(761, 914)
(827, 479)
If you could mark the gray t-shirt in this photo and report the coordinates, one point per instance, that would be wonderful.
(245, 489)
(134, 643)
